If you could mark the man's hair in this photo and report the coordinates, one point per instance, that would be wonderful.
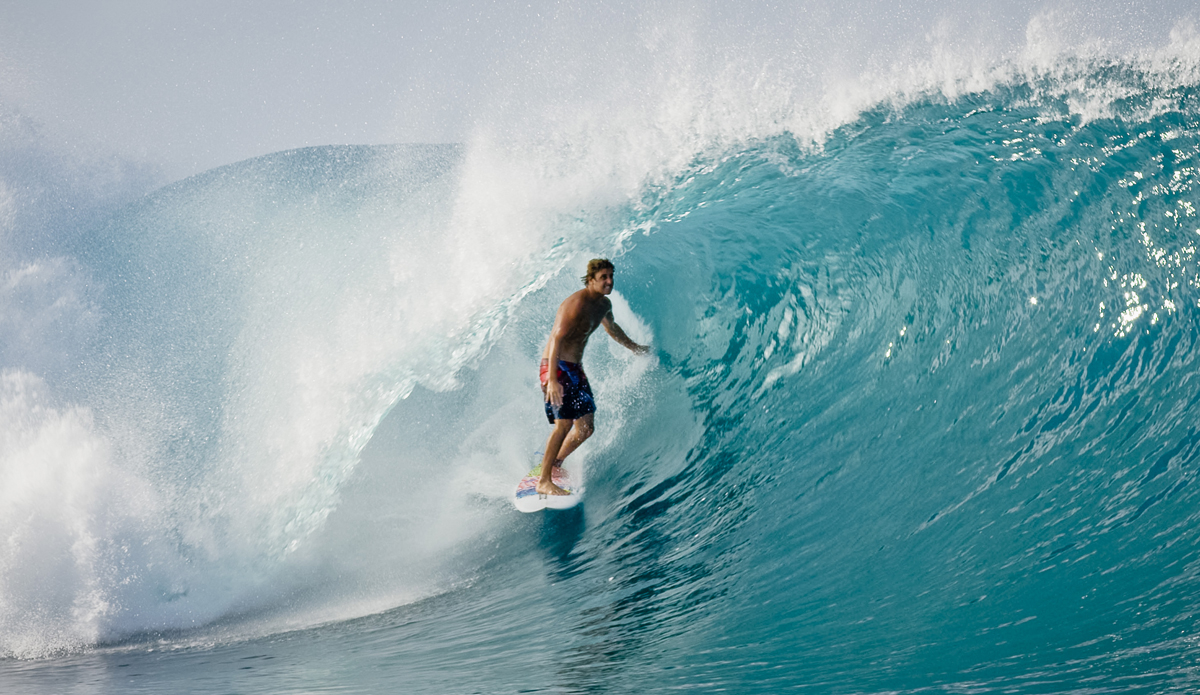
(596, 265)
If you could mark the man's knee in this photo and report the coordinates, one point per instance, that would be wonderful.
(584, 429)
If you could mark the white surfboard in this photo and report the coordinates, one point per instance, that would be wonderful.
(526, 498)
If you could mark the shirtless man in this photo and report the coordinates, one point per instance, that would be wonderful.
(569, 402)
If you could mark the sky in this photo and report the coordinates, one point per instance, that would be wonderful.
(199, 84)
(187, 86)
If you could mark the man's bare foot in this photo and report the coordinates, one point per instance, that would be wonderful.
(547, 487)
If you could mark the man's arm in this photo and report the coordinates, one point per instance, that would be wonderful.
(553, 388)
(568, 312)
(611, 327)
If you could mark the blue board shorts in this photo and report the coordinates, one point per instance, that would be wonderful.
(577, 395)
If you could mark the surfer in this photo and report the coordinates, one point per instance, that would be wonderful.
(569, 403)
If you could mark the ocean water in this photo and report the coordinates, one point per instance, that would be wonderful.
(921, 415)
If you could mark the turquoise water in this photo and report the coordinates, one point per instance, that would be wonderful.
(921, 417)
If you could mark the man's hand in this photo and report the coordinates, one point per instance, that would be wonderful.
(554, 393)
(641, 349)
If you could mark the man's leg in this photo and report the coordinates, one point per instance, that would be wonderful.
(545, 485)
(583, 430)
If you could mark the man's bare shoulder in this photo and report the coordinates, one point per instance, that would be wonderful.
(574, 302)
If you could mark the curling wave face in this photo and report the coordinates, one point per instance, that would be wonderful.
(945, 370)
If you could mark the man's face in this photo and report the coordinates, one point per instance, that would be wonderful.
(602, 281)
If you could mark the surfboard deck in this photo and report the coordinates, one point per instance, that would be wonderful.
(526, 497)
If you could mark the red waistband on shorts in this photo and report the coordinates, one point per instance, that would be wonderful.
(544, 368)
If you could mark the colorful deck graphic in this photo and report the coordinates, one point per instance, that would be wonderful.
(527, 499)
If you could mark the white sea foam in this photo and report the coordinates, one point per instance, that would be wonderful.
(65, 506)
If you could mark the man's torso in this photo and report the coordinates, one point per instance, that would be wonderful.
(583, 316)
